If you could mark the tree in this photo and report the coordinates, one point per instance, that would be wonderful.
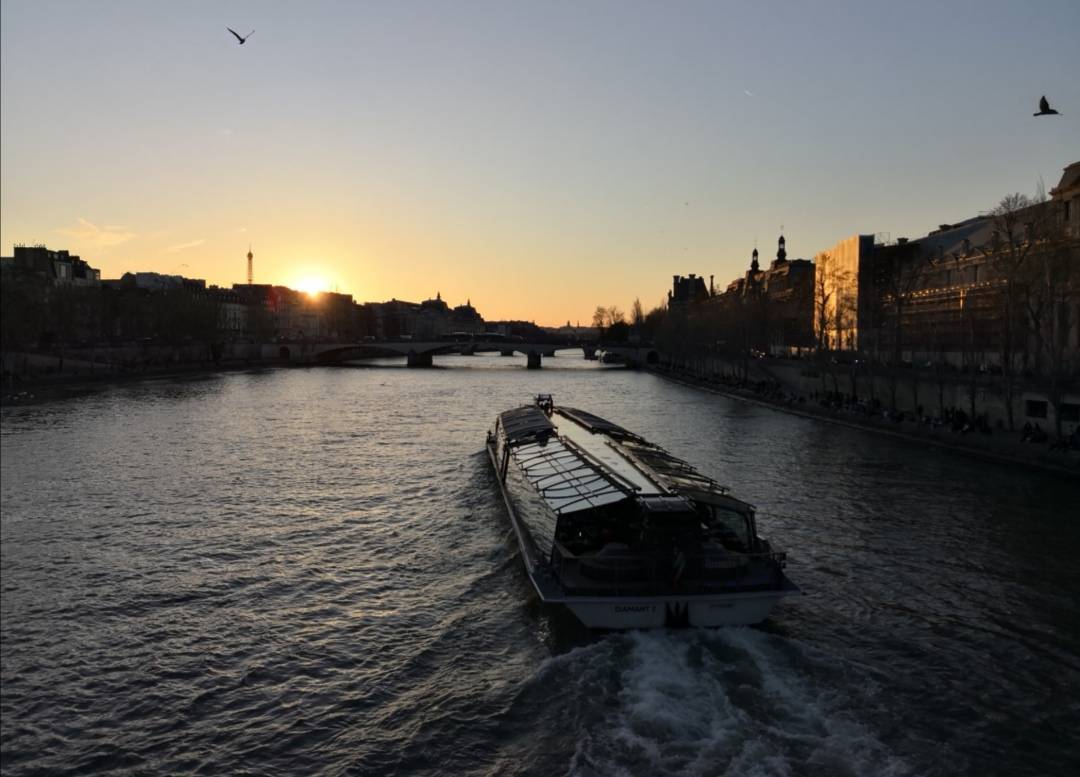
(606, 318)
(901, 272)
(834, 314)
(1055, 282)
(637, 317)
(619, 332)
(823, 295)
(1016, 230)
(973, 345)
(599, 318)
(654, 321)
(939, 348)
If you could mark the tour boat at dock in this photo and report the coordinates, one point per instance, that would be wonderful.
(623, 533)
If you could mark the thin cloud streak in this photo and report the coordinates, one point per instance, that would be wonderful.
(98, 237)
(184, 246)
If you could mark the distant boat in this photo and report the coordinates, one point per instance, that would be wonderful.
(624, 534)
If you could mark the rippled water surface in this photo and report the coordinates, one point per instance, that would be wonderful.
(311, 572)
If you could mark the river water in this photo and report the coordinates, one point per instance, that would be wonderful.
(312, 572)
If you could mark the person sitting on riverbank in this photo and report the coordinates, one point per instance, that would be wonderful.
(959, 421)
(1033, 433)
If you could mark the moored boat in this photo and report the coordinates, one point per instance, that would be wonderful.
(624, 534)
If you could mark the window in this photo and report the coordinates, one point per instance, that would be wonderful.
(731, 528)
(1069, 412)
(1035, 408)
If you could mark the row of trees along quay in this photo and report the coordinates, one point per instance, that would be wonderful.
(989, 308)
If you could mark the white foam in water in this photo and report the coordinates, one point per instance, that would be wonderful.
(734, 702)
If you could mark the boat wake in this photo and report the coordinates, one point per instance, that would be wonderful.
(733, 702)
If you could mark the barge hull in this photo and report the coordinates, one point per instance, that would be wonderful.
(640, 612)
(654, 612)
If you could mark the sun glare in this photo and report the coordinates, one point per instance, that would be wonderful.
(311, 285)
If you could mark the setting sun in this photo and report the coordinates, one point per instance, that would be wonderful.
(311, 284)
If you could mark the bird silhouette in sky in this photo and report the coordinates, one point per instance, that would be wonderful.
(1045, 109)
(241, 40)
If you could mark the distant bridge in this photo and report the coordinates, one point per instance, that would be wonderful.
(417, 353)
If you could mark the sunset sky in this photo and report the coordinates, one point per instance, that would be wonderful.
(537, 158)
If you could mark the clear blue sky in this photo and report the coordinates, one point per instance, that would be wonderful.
(540, 158)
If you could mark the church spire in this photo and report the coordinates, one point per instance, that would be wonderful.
(754, 266)
(781, 251)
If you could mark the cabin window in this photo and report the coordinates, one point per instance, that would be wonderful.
(732, 529)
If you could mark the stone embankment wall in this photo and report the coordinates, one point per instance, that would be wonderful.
(914, 388)
(766, 386)
(126, 358)
(23, 366)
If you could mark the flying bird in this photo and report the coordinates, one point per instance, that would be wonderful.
(234, 32)
(1045, 109)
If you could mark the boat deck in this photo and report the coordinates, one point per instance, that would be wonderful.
(598, 446)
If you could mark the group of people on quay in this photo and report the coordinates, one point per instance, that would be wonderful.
(1035, 434)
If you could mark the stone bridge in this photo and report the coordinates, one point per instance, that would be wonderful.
(417, 353)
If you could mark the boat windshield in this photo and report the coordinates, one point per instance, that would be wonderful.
(731, 528)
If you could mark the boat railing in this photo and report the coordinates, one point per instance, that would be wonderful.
(642, 575)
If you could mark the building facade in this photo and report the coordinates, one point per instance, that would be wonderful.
(688, 290)
(780, 296)
(967, 293)
(59, 268)
(840, 310)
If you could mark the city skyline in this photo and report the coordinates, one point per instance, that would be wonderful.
(538, 161)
